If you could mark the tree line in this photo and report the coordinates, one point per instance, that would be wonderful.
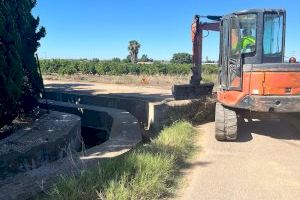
(118, 67)
(180, 64)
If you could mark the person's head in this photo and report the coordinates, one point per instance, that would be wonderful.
(247, 32)
(292, 60)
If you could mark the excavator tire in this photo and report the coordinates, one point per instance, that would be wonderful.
(225, 123)
(220, 123)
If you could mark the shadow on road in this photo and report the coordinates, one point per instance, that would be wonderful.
(277, 129)
(196, 164)
(70, 87)
(90, 89)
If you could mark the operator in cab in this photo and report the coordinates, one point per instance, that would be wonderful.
(248, 41)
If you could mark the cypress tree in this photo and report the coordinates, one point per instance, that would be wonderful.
(19, 78)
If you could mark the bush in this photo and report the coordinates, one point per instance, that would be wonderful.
(210, 69)
(182, 58)
(86, 67)
(116, 60)
(67, 70)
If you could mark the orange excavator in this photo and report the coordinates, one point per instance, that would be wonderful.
(253, 77)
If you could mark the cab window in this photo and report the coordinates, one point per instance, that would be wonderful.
(234, 38)
(273, 34)
(248, 33)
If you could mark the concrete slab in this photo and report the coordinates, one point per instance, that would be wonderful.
(46, 140)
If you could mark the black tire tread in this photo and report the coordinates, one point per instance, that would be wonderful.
(225, 123)
(220, 123)
(230, 124)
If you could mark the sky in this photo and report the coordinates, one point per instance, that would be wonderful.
(102, 28)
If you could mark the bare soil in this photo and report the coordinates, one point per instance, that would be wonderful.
(157, 80)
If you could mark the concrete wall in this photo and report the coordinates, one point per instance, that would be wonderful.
(195, 110)
(137, 107)
(152, 115)
(98, 119)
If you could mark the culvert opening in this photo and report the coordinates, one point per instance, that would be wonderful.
(93, 136)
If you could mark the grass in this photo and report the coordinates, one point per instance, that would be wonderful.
(210, 78)
(148, 172)
(196, 112)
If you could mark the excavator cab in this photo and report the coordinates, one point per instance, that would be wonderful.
(252, 73)
(249, 37)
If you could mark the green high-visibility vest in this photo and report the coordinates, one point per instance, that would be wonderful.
(248, 41)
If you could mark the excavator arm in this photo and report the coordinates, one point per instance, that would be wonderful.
(196, 89)
(197, 37)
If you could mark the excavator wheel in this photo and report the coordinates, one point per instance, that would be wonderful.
(225, 123)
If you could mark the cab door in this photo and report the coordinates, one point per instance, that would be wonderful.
(224, 44)
(230, 54)
(234, 80)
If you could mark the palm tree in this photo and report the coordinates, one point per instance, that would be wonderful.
(133, 49)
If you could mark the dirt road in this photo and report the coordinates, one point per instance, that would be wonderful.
(263, 164)
(143, 92)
